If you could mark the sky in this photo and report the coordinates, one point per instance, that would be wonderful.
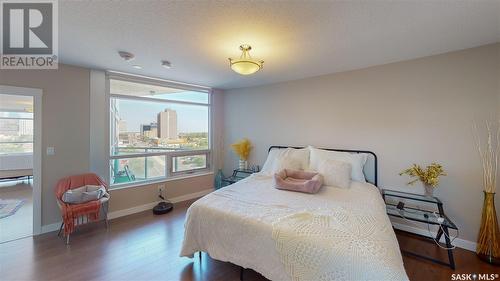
(190, 118)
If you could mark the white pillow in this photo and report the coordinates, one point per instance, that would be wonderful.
(286, 162)
(93, 192)
(301, 155)
(357, 161)
(271, 157)
(84, 194)
(335, 173)
(74, 196)
(94, 188)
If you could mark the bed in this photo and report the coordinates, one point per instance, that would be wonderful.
(335, 234)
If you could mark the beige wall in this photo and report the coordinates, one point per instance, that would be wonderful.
(218, 129)
(65, 125)
(415, 111)
(136, 196)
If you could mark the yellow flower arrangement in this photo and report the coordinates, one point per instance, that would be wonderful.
(429, 176)
(242, 148)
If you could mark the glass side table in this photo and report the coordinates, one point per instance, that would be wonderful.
(417, 214)
(238, 174)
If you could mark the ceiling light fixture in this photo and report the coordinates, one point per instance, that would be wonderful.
(126, 56)
(245, 65)
(137, 66)
(166, 64)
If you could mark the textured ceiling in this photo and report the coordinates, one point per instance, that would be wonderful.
(296, 39)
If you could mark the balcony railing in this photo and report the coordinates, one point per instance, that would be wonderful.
(123, 173)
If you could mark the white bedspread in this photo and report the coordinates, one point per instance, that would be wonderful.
(237, 223)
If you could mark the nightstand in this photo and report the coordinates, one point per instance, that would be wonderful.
(408, 207)
(238, 174)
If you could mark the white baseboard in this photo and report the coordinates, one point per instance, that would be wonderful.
(130, 211)
(137, 209)
(149, 206)
(191, 196)
(461, 243)
(50, 227)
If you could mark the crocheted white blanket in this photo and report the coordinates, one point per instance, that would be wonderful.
(337, 244)
(335, 234)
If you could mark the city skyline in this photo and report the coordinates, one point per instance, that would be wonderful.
(190, 119)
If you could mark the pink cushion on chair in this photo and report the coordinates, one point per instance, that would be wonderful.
(300, 181)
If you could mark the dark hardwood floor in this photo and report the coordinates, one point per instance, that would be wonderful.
(146, 247)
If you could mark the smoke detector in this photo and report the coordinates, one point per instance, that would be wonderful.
(166, 64)
(126, 55)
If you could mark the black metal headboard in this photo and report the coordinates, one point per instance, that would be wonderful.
(375, 165)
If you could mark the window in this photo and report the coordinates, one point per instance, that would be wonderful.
(190, 162)
(158, 130)
(16, 124)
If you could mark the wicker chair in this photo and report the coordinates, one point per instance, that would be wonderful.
(74, 182)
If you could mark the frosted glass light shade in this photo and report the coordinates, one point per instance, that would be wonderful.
(245, 65)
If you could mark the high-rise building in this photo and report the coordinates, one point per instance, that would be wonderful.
(16, 127)
(150, 131)
(122, 125)
(167, 124)
(25, 127)
(9, 127)
(115, 125)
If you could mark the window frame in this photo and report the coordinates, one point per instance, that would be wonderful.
(191, 171)
(168, 155)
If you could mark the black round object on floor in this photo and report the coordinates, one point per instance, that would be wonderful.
(163, 208)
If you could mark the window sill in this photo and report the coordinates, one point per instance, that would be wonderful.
(156, 181)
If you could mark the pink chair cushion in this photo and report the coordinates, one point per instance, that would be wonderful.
(300, 181)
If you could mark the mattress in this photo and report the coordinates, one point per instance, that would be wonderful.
(248, 224)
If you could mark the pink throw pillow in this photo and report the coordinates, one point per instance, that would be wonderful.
(296, 180)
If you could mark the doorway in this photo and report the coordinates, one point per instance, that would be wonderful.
(20, 162)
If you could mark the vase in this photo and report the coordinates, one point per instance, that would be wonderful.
(218, 179)
(243, 164)
(488, 244)
(429, 190)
